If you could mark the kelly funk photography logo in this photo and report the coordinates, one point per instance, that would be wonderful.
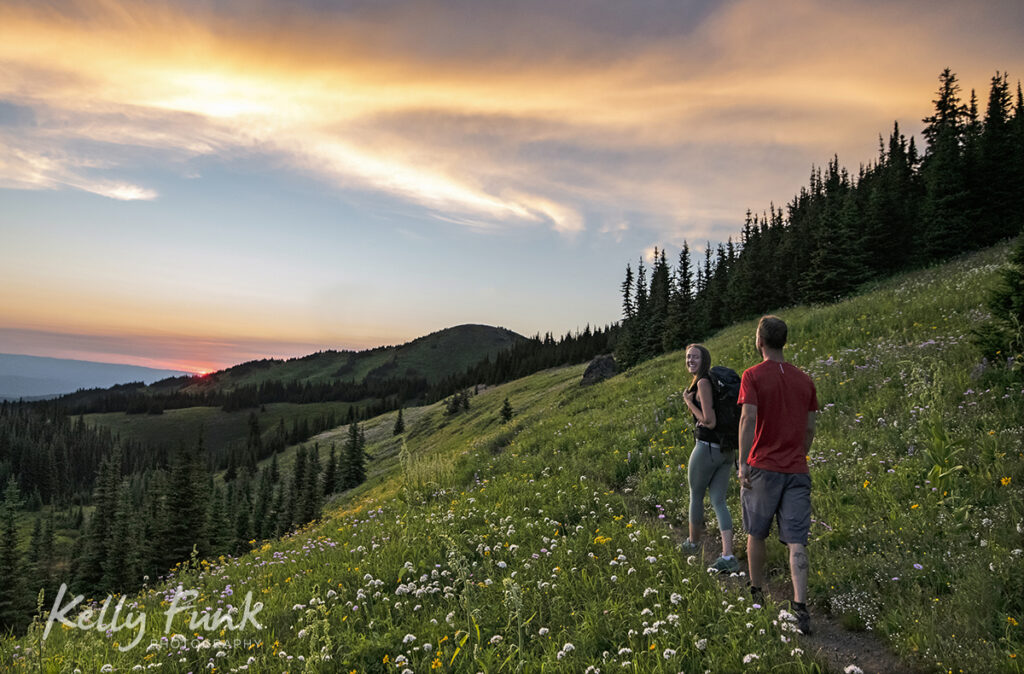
(182, 602)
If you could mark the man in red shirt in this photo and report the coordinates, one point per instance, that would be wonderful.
(776, 430)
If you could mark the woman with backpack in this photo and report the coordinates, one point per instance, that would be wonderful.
(710, 465)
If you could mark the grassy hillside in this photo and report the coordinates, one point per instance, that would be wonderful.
(544, 543)
(432, 357)
(176, 428)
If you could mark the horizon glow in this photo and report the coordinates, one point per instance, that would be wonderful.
(188, 186)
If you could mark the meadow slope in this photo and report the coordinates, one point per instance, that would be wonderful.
(543, 544)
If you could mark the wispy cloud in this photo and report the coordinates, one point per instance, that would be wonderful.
(481, 115)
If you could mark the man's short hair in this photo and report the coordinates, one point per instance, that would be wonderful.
(773, 331)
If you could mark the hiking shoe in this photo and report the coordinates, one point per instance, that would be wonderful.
(726, 565)
(689, 546)
(756, 595)
(803, 620)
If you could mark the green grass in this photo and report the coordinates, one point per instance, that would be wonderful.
(219, 429)
(542, 545)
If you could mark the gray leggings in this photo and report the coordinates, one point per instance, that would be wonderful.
(709, 470)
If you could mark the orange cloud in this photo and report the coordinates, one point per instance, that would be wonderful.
(448, 110)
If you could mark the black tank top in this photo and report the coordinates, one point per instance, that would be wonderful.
(703, 433)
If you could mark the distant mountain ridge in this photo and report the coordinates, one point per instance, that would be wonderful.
(27, 377)
(432, 357)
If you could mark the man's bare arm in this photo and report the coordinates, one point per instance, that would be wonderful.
(748, 416)
(808, 435)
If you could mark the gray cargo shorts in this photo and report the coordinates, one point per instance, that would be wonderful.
(785, 497)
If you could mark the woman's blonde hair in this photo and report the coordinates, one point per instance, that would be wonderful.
(705, 364)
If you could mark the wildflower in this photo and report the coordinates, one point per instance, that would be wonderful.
(852, 669)
(568, 648)
(543, 631)
(796, 652)
(408, 638)
(750, 657)
(107, 668)
(668, 654)
(497, 639)
(702, 645)
(625, 651)
(1005, 481)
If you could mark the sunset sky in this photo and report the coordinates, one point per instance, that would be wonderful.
(191, 185)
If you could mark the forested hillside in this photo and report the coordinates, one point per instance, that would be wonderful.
(906, 209)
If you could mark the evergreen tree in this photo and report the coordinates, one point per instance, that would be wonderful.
(628, 309)
(312, 501)
(122, 564)
(275, 471)
(353, 470)
(399, 424)
(185, 507)
(626, 348)
(331, 473)
(998, 198)
(98, 536)
(506, 411)
(1002, 337)
(218, 524)
(262, 524)
(946, 212)
(254, 446)
(298, 485)
(13, 592)
(658, 306)
(243, 532)
(679, 329)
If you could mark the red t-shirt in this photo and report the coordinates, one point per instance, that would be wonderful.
(784, 395)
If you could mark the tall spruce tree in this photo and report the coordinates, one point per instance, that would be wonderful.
(946, 209)
(13, 590)
(331, 473)
(99, 533)
(679, 329)
(185, 506)
(999, 202)
(353, 466)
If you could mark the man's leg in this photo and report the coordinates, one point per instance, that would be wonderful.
(798, 570)
(756, 554)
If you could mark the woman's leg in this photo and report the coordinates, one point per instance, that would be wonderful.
(698, 474)
(719, 488)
